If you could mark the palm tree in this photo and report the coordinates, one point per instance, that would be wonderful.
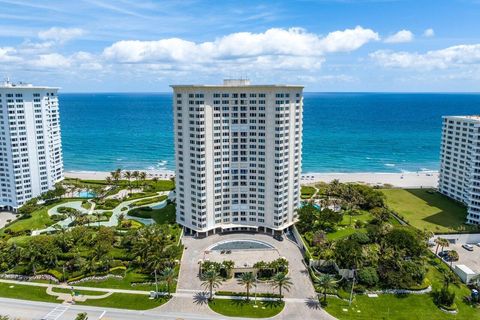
(168, 275)
(281, 281)
(452, 256)
(211, 281)
(136, 175)
(142, 176)
(128, 176)
(248, 281)
(441, 242)
(325, 282)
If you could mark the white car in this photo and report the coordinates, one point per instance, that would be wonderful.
(467, 247)
(478, 244)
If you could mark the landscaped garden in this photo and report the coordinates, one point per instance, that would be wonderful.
(129, 255)
(380, 254)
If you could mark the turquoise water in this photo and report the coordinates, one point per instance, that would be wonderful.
(241, 245)
(343, 132)
(86, 194)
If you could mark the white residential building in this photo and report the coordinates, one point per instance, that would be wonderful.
(30, 145)
(238, 156)
(460, 163)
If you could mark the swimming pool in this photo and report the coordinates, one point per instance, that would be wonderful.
(241, 245)
(86, 194)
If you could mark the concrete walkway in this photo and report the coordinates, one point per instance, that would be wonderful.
(67, 297)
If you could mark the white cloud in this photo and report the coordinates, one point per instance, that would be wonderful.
(292, 47)
(429, 33)
(400, 37)
(459, 55)
(60, 34)
(51, 60)
(7, 54)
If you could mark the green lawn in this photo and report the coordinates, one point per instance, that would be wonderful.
(39, 219)
(427, 209)
(116, 300)
(393, 307)
(165, 215)
(347, 227)
(149, 201)
(307, 192)
(16, 291)
(126, 301)
(242, 308)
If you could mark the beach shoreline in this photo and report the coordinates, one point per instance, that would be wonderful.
(421, 179)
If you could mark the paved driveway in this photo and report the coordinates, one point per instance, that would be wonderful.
(300, 301)
(189, 281)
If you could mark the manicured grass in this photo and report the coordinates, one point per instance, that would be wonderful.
(427, 209)
(149, 201)
(16, 291)
(165, 215)
(39, 219)
(307, 192)
(243, 308)
(126, 301)
(86, 205)
(140, 195)
(347, 227)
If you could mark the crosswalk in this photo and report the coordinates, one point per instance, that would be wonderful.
(57, 312)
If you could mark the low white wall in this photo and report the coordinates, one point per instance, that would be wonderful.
(460, 238)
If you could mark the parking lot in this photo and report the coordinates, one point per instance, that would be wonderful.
(469, 258)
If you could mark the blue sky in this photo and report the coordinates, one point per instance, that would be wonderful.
(344, 45)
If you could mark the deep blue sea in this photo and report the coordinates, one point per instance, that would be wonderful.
(343, 132)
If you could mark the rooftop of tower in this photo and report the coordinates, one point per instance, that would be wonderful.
(7, 84)
(475, 117)
(236, 83)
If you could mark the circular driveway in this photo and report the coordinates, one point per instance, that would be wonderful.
(188, 280)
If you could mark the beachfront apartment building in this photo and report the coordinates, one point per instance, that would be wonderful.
(459, 176)
(30, 143)
(238, 156)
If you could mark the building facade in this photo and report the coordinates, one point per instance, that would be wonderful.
(30, 143)
(460, 163)
(238, 156)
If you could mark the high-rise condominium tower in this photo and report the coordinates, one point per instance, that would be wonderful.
(460, 162)
(238, 156)
(30, 145)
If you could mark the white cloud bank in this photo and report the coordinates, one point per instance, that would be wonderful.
(400, 37)
(454, 56)
(292, 46)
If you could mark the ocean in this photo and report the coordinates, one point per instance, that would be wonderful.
(342, 132)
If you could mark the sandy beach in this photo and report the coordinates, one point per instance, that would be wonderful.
(100, 175)
(400, 180)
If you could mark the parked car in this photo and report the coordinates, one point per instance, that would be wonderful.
(467, 247)
(478, 244)
(443, 254)
(278, 237)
